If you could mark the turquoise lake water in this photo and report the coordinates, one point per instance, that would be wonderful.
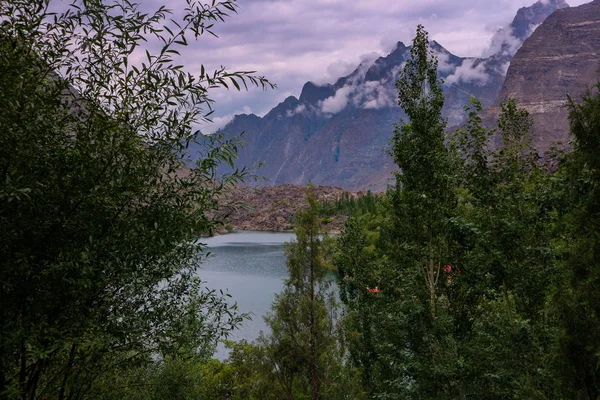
(251, 267)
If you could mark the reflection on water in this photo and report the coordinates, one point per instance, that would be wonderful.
(251, 267)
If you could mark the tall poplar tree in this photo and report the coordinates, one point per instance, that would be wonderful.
(425, 192)
(417, 321)
(302, 345)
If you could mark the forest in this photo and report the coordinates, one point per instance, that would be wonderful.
(473, 277)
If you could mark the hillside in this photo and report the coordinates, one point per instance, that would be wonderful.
(273, 208)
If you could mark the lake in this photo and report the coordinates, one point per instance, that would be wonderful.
(251, 267)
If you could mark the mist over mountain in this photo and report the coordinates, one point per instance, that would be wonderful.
(334, 134)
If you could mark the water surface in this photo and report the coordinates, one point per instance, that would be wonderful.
(251, 267)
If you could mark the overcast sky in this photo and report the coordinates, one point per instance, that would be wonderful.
(295, 41)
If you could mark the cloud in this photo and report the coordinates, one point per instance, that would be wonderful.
(363, 94)
(504, 68)
(375, 95)
(380, 97)
(444, 64)
(295, 41)
(338, 69)
(352, 89)
(298, 110)
(395, 73)
(504, 43)
(468, 72)
(337, 102)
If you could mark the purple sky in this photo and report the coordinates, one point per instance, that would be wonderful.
(295, 41)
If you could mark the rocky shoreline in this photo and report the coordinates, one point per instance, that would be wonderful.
(273, 208)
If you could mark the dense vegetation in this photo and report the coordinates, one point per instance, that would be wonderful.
(349, 204)
(98, 214)
(474, 277)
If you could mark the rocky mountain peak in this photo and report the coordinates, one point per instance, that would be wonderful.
(438, 48)
(383, 65)
(559, 59)
(508, 40)
(313, 93)
(400, 46)
(282, 108)
(529, 17)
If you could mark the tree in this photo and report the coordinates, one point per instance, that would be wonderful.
(415, 325)
(99, 214)
(576, 300)
(506, 218)
(358, 270)
(425, 181)
(468, 238)
(302, 345)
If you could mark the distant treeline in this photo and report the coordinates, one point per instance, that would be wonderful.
(349, 204)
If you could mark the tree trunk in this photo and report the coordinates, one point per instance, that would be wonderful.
(63, 386)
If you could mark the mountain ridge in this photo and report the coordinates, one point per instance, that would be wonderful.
(334, 134)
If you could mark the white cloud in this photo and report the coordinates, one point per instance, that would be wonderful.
(532, 28)
(444, 62)
(295, 41)
(503, 41)
(368, 95)
(382, 99)
(504, 68)
(366, 61)
(375, 95)
(338, 69)
(468, 72)
(297, 110)
(396, 71)
(337, 102)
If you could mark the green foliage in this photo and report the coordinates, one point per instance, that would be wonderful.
(471, 143)
(466, 251)
(302, 345)
(418, 147)
(169, 378)
(358, 270)
(421, 242)
(402, 337)
(576, 299)
(98, 213)
(348, 204)
(484, 261)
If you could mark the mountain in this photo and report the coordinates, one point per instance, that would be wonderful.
(560, 58)
(334, 134)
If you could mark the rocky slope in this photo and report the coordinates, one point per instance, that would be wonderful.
(273, 208)
(334, 134)
(560, 59)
